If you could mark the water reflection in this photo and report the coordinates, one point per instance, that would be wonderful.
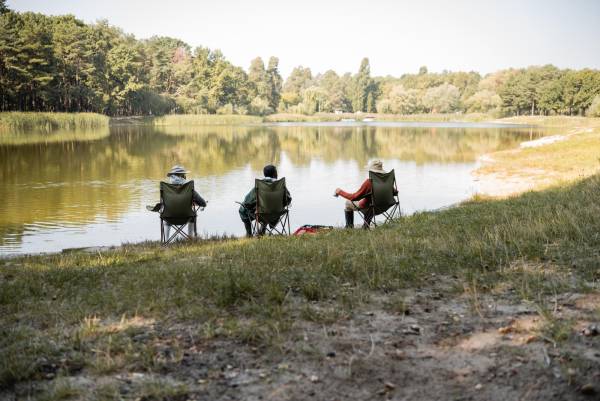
(71, 191)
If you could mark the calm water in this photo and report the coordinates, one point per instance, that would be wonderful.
(82, 189)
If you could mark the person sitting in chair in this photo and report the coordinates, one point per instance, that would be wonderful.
(360, 199)
(177, 176)
(248, 206)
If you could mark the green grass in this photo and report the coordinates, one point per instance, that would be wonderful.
(294, 118)
(51, 121)
(432, 117)
(575, 157)
(87, 308)
(555, 121)
(213, 119)
(205, 119)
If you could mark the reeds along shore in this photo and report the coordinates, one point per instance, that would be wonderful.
(51, 121)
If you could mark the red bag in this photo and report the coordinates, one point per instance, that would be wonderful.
(311, 229)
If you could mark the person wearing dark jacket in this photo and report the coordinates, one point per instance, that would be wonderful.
(248, 206)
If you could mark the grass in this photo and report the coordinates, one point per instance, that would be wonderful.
(212, 119)
(205, 119)
(576, 157)
(318, 117)
(118, 311)
(89, 308)
(434, 117)
(55, 136)
(51, 121)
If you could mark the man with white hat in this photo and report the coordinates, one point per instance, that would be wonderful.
(177, 176)
(359, 200)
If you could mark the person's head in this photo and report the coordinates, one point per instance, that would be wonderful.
(376, 166)
(177, 171)
(270, 171)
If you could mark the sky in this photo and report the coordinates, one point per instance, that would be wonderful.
(397, 36)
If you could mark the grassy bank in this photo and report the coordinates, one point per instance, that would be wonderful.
(51, 121)
(211, 119)
(575, 156)
(205, 119)
(82, 313)
(432, 117)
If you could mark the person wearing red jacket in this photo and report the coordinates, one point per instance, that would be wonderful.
(360, 199)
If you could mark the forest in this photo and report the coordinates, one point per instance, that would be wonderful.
(61, 64)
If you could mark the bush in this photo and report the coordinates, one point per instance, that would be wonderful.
(260, 106)
(594, 109)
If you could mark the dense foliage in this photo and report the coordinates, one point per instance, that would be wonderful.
(59, 63)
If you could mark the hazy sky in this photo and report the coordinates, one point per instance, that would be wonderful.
(397, 36)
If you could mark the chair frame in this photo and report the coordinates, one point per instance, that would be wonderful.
(388, 214)
(282, 227)
(178, 228)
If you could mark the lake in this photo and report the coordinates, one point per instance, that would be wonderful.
(79, 189)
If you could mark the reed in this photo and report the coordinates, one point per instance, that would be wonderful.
(47, 122)
(206, 119)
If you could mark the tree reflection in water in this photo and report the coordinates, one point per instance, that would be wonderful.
(66, 183)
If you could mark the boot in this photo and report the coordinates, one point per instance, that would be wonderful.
(349, 214)
(248, 227)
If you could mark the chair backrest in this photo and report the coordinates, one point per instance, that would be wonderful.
(383, 188)
(270, 198)
(177, 202)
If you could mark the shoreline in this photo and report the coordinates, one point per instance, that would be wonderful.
(495, 183)
(527, 168)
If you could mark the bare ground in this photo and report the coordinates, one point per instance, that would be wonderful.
(433, 343)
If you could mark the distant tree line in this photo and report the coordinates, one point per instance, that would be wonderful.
(59, 63)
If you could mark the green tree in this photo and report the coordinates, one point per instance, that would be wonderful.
(73, 58)
(3, 7)
(294, 86)
(364, 85)
(402, 101)
(594, 109)
(442, 99)
(314, 100)
(274, 83)
(484, 101)
(257, 75)
(334, 88)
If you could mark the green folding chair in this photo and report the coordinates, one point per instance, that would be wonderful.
(177, 210)
(384, 199)
(272, 211)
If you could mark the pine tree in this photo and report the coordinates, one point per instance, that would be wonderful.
(3, 7)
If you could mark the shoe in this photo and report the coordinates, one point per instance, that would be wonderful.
(349, 215)
(248, 227)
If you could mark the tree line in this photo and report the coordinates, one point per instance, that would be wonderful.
(59, 63)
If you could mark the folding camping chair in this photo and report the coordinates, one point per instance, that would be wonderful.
(272, 212)
(177, 210)
(384, 199)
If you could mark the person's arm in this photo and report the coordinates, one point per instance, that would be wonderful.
(364, 189)
(198, 200)
(249, 202)
(288, 197)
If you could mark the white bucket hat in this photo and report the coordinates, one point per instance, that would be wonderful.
(177, 170)
(376, 166)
